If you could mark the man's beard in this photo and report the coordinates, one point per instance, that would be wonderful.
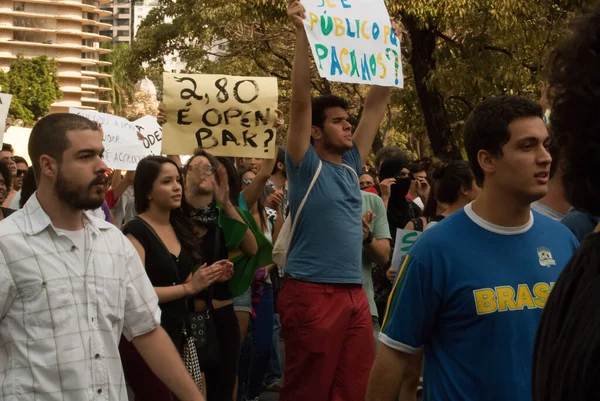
(77, 197)
(331, 147)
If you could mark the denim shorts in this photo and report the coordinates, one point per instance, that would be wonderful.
(243, 303)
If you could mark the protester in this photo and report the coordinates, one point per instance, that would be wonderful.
(387, 152)
(27, 188)
(251, 163)
(256, 351)
(366, 181)
(376, 248)
(22, 167)
(565, 366)
(420, 179)
(163, 236)
(455, 186)
(555, 204)
(72, 284)
(5, 185)
(211, 192)
(6, 155)
(327, 286)
(460, 313)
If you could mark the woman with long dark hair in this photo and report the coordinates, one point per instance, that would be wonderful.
(164, 239)
(212, 191)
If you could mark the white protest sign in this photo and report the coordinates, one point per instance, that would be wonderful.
(151, 130)
(404, 241)
(353, 41)
(5, 100)
(122, 148)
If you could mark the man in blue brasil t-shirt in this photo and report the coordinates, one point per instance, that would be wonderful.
(472, 289)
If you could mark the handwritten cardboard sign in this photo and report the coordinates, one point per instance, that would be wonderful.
(5, 100)
(353, 41)
(405, 239)
(122, 147)
(151, 130)
(224, 115)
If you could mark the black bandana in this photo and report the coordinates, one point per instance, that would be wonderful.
(206, 216)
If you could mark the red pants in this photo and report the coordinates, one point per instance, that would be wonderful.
(329, 347)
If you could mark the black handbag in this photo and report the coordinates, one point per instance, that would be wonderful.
(202, 324)
(203, 328)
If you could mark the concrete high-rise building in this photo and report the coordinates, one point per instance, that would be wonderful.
(65, 30)
(121, 18)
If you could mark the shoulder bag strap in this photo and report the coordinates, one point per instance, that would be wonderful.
(353, 171)
(312, 183)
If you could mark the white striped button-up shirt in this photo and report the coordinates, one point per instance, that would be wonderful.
(61, 321)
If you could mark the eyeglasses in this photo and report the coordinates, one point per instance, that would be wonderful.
(202, 170)
(21, 172)
(247, 181)
(366, 184)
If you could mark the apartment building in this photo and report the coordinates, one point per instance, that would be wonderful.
(65, 30)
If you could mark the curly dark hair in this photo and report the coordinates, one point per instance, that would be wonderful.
(574, 79)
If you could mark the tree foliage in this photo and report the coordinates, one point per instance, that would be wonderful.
(121, 82)
(455, 53)
(34, 86)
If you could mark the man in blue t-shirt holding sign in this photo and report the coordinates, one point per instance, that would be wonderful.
(472, 289)
(325, 316)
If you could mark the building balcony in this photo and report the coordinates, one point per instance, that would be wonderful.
(84, 21)
(74, 75)
(76, 60)
(95, 87)
(85, 35)
(96, 101)
(50, 45)
(81, 5)
(95, 74)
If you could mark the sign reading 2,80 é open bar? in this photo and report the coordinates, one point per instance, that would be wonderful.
(224, 115)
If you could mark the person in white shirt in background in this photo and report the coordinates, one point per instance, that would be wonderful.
(70, 283)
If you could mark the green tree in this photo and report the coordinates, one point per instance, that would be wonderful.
(34, 86)
(455, 52)
(122, 80)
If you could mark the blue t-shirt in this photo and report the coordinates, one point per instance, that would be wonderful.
(580, 223)
(326, 245)
(472, 294)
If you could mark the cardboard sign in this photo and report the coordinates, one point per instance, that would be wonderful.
(405, 239)
(224, 115)
(151, 130)
(122, 148)
(353, 41)
(5, 100)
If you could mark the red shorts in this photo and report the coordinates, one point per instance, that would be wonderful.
(329, 346)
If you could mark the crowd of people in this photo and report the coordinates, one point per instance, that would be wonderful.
(161, 283)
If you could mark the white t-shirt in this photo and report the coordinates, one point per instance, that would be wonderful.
(78, 239)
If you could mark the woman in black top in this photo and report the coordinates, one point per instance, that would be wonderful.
(164, 239)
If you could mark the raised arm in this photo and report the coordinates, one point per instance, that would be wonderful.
(254, 191)
(373, 112)
(300, 115)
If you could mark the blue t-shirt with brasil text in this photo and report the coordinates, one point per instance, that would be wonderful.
(326, 245)
(472, 294)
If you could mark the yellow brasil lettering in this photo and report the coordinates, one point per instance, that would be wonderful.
(506, 298)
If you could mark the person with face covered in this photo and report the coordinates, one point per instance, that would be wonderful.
(396, 180)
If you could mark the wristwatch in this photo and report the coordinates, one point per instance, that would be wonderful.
(369, 239)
